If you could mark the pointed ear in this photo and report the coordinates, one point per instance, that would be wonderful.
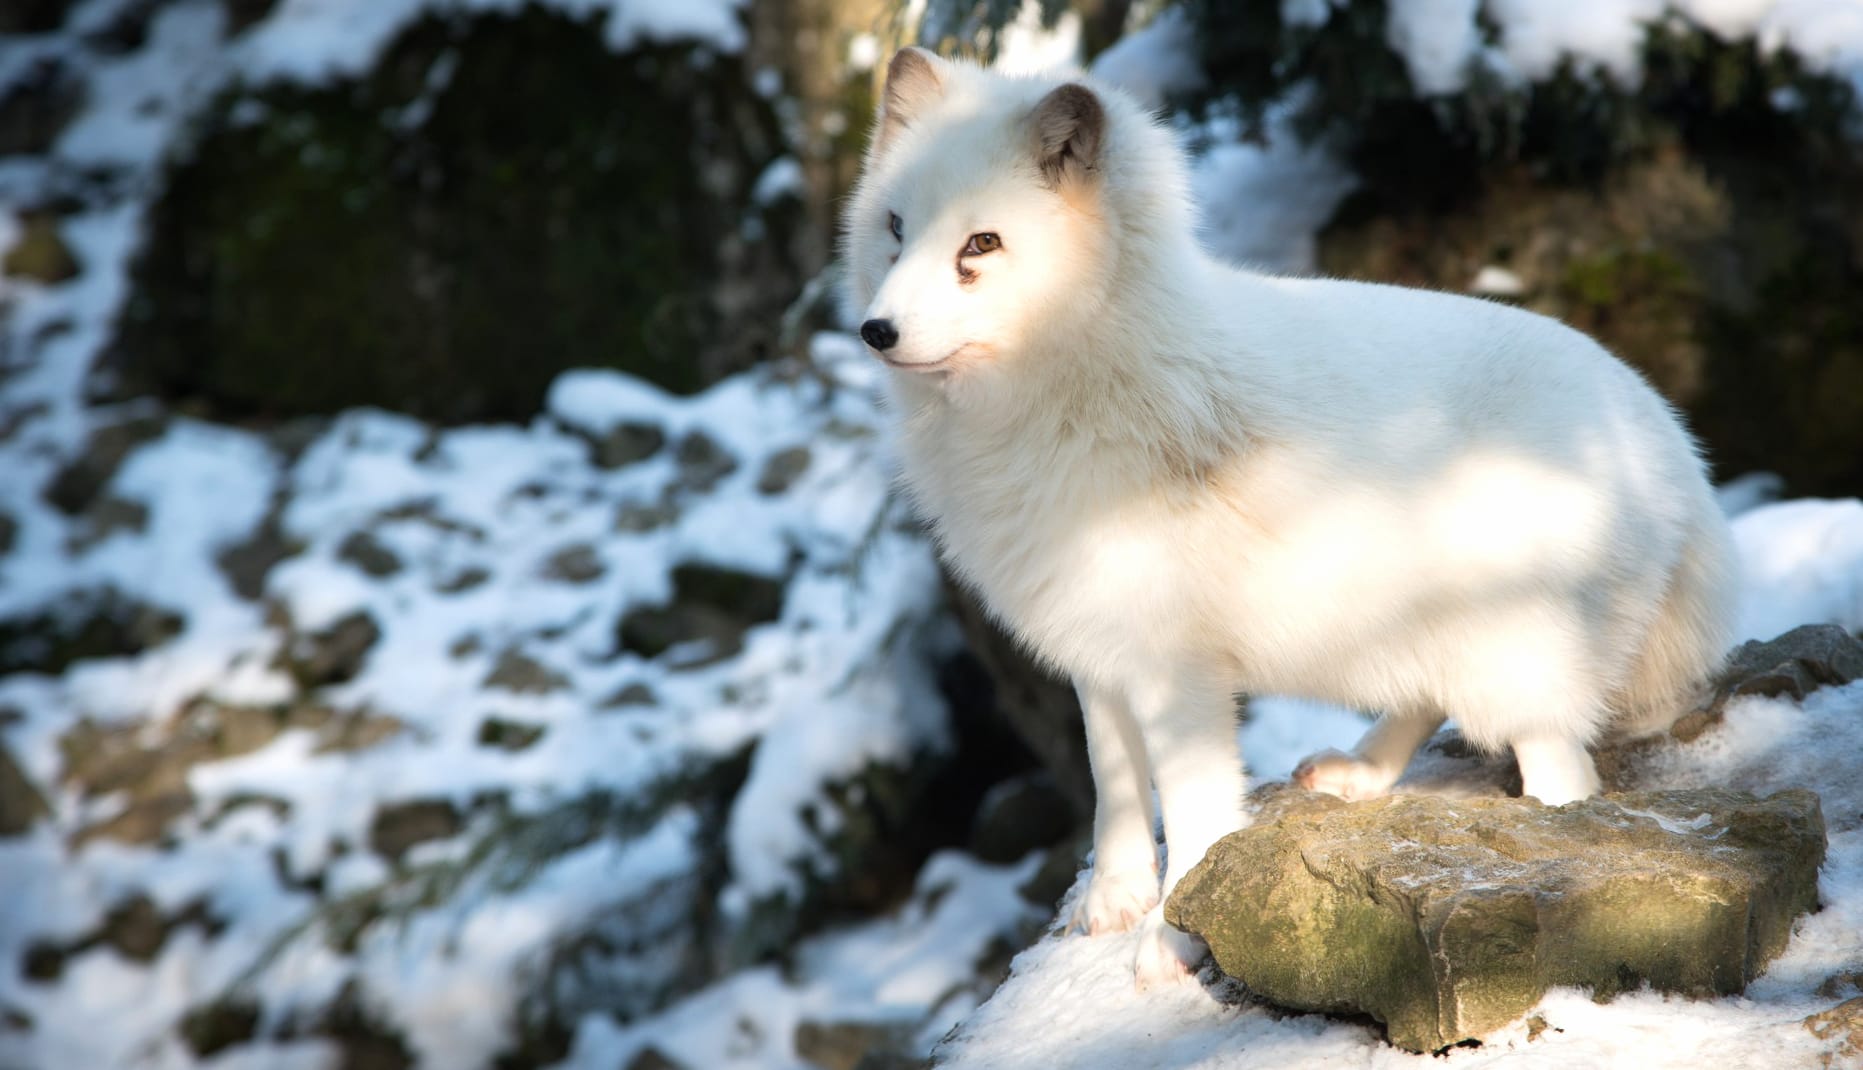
(1070, 130)
(914, 82)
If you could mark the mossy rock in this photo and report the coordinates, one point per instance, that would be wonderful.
(1447, 919)
(83, 624)
(1706, 226)
(501, 198)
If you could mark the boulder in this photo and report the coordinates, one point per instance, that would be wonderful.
(1446, 919)
(476, 221)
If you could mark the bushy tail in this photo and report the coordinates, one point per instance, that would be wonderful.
(1688, 642)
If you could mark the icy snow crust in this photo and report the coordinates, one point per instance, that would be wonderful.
(839, 681)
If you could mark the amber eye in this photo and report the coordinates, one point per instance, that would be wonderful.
(896, 225)
(982, 243)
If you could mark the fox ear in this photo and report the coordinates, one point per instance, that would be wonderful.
(1070, 129)
(914, 81)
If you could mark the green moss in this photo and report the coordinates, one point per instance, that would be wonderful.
(501, 198)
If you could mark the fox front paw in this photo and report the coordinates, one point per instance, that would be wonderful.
(1345, 775)
(1115, 900)
(1166, 956)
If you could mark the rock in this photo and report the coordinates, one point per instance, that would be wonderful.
(219, 1025)
(846, 1045)
(652, 1058)
(1020, 815)
(398, 827)
(521, 674)
(710, 611)
(333, 655)
(82, 479)
(32, 16)
(476, 222)
(575, 564)
(368, 553)
(247, 563)
(1797, 663)
(1039, 706)
(508, 735)
(782, 470)
(1449, 918)
(625, 444)
(702, 463)
(40, 254)
(21, 804)
(1842, 1028)
(101, 623)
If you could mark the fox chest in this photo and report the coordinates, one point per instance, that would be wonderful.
(1075, 582)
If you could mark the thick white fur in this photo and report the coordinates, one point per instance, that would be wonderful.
(1177, 481)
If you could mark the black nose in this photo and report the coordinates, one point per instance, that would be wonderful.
(880, 334)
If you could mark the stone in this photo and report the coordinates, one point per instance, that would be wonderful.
(476, 222)
(1022, 814)
(782, 469)
(702, 463)
(83, 624)
(626, 443)
(21, 802)
(575, 564)
(335, 654)
(1797, 663)
(1447, 919)
(83, 478)
(398, 827)
(508, 735)
(1040, 706)
(369, 553)
(521, 674)
(834, 1045)
(219, 1025)
(706, 619)
(1842, 1028)
(40, 253)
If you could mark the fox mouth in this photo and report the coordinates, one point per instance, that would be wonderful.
(942, 364)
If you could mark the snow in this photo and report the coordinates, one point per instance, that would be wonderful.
(1155, 63)
(1803, 564)
(1440, 42)
(316, 40)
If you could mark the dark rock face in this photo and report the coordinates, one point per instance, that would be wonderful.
(1449, 918)
(503, 197)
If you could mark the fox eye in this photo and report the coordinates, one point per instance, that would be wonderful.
(896, 225)
(980, 244)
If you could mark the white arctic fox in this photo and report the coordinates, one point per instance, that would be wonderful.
(1177, 481)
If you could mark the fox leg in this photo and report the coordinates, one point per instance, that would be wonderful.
(1124, 884)
(1189, 734)
(1375, 764)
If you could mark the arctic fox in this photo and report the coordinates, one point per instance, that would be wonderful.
(1177, 481)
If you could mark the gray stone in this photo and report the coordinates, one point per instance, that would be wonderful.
(782, 470)
(1797, 663)
(401, 826)
(846, 1045)
(21, 804)
(1449, 918)
(370, 554)
(1841, 1028)
(578, 563)
(522, 674)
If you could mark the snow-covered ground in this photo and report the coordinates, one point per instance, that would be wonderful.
(494, 563)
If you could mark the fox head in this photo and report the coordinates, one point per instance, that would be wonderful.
(980, 227)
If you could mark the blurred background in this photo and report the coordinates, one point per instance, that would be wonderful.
(452, 608)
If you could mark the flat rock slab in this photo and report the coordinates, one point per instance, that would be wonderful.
(1447, 919)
